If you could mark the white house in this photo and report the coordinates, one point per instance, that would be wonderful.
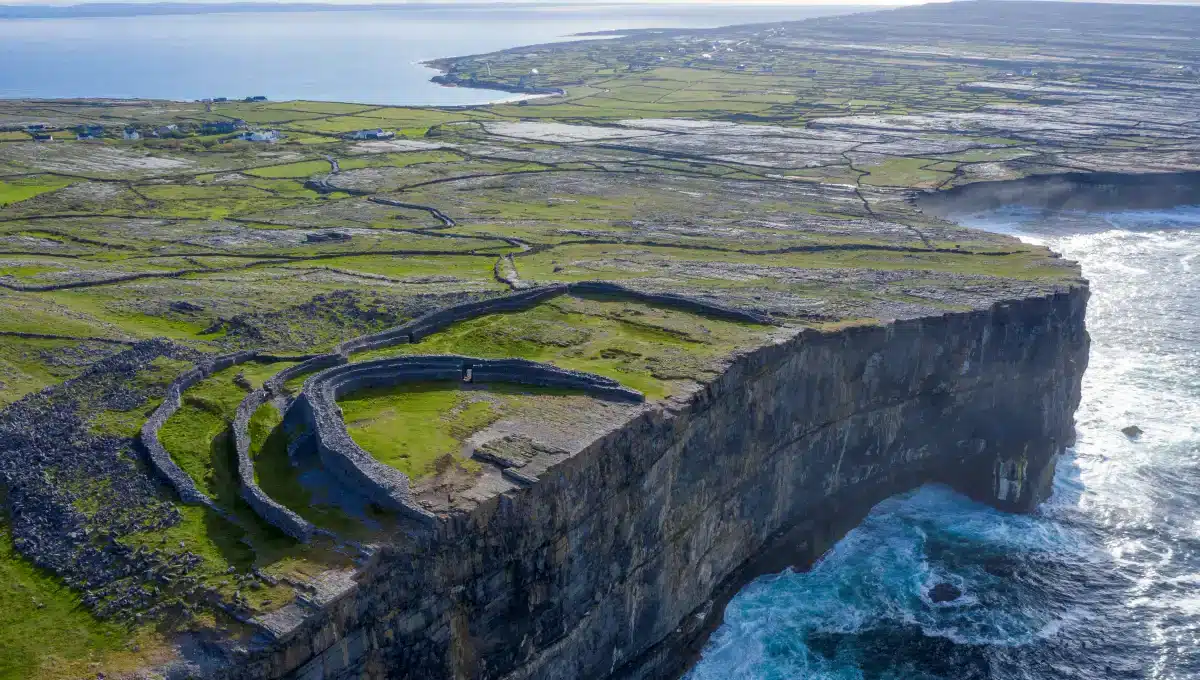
(268, 136)
(131, 134)
(377, 133)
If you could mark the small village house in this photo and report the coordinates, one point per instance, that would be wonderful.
(377, 133)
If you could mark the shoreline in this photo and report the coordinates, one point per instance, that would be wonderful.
(9, 12)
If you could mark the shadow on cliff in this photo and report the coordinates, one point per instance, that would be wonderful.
(1066, 193)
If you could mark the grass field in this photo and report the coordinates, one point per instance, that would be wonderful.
(642, 346)
(17, 190)
(415, 428)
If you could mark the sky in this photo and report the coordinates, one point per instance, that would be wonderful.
(892, 3)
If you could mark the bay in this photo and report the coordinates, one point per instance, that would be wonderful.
(368, 57)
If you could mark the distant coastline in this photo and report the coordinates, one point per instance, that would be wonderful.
(385, 54)
(122, 9)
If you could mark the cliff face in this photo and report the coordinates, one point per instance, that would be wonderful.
(610, 565)
(1086, 191)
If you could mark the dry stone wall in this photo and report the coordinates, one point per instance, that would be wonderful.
(160, 459)
(316, 409)
(440, 319)
(437, 320)
(684, 302)
(279, 516)
(157, 454)
(339, 454)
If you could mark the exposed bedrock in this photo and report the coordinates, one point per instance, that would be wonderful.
(619, 558)
(1092, 191)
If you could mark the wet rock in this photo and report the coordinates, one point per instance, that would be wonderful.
(1131, 431)
(944, 592)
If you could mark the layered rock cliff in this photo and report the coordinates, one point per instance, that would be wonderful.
(617, 561)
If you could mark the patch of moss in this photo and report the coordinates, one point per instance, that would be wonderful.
(301, 169)
(197, 435)
(909, 172)
(153, 379)
(17, 190)
(24, 368)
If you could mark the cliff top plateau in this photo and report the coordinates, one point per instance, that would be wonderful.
(248, 349)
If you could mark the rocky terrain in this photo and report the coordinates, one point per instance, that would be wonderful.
(692, 202)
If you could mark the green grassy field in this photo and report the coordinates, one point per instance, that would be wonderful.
(17, 190)
(642, 346)
(416, 429)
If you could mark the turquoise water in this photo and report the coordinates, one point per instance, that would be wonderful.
(356, 56)
(1102, 582)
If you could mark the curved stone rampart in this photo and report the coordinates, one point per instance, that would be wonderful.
(159, 458)
(274, 384)
(684, 302)
(435, 321)
(340, 456)
(432, 322)
(384, 485)
(537, 374)
(267, 508)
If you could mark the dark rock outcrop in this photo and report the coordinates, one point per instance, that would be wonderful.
(53, 463)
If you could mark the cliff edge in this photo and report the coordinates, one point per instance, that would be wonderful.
(609, 565)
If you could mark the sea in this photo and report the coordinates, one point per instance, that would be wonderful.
(371, 57)
(1102, 582)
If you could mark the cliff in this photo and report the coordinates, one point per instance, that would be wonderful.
(619, 559)
(1083, 191)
